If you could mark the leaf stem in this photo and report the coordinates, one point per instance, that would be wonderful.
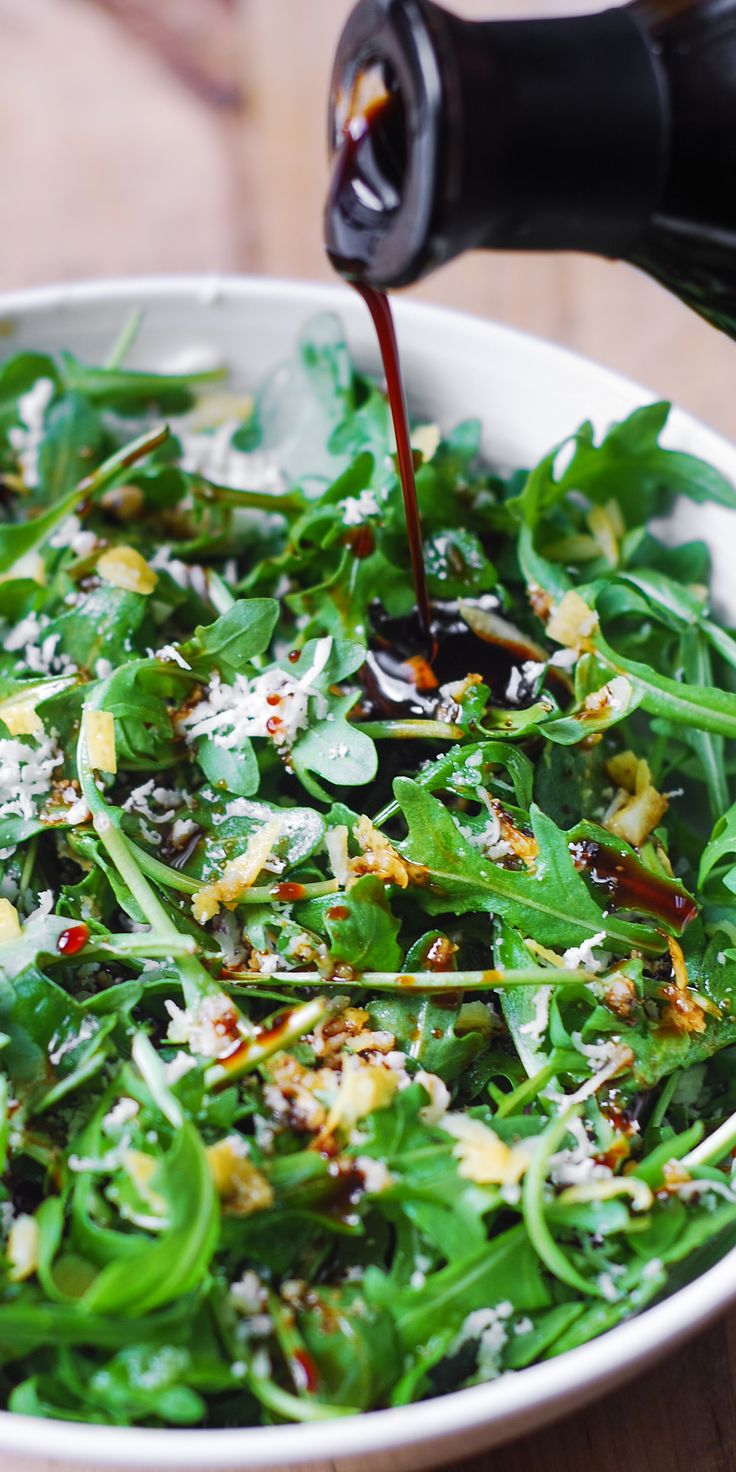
(196, 980)
(262, 894)
(28, 863)
(122, 459)
(424, 981)
(116, 845)
(146, 945)
(293, 1407)
(162, 873)
(272, 501)
(124, 341)
(540, 1235)
(715, 1146)
(519, 1098)
(410, 730)
(253, 1051)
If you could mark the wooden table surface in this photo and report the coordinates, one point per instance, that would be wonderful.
(187, 135)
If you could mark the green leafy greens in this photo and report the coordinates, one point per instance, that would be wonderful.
(366, 1014)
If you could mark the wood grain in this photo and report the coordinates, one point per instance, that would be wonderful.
(188, 135)
(680, 1417)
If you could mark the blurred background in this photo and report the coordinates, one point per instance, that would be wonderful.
(189, 135)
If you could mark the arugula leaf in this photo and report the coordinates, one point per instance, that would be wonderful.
(508, 1268)
(128, 389)
(629, 464)
(138, 697)
(160, 1273)
(73, 436)
(703, 706)
(551, 903)
(230, 643)
(362, 929)
(52, 1045)
(98, 625)
(331, 747)
(720, 846)
(336, 751)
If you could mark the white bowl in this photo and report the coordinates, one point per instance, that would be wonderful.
(529, 395)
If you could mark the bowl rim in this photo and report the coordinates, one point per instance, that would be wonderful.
(546, 1390)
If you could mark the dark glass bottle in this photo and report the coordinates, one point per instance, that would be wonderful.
(612, 133)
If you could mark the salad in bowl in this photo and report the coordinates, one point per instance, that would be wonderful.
(366, 1009)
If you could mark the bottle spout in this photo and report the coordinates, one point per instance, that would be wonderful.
(384, 125)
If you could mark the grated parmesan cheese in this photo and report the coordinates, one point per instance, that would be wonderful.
(274, 704)
(22, 1248)
(71, 534)
(439, 1096)
(141, 798)
(207, 1028)
(336, 843)
(361, 1091)
(483, 1157)
(376, 1175)
(356, 509)
(25, 774)
(120, 1114)
(170, 654)
(31, 565)
(536, 1028)
(426, 439)
(36, 649)
(486, 1326)
(582, 955)
(214, 457)
(573, 622)
(242, 1188)
(26, 437)
(523, 678)
(249, 1294)
(21, 718)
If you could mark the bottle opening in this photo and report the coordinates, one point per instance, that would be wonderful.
(370, 146)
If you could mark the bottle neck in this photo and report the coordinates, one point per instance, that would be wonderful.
(689, 244)
(530, 135)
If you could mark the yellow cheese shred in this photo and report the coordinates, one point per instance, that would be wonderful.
(125, 568)
(238, 875)
(9, 922)
(99, 730)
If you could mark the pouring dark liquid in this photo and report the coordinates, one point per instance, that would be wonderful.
(358, 166)
(378, 305)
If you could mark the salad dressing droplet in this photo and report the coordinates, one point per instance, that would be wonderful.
(306, 1375)
(72, 940)
(630, 886)
(289, 889)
